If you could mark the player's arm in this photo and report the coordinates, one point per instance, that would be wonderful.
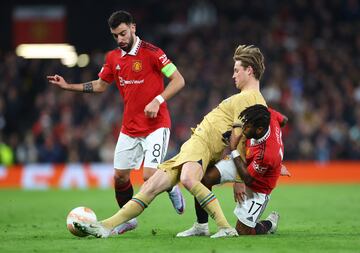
(88, 87)
(238, 150)
(240, 163)
(281, 118)
(176, 83)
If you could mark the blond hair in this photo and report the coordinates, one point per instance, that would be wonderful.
(250, 56)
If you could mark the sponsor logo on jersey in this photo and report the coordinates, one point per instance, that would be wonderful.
(248, 153)
(117, 67)
(124, 82)
(137, 66)
(258, 168)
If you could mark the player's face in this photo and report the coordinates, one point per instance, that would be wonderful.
(124, 36)
(249, 131)
(241, 75)
(252, 132)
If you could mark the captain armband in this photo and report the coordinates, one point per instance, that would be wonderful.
(169, 69)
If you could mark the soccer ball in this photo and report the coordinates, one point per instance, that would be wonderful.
(81, 215)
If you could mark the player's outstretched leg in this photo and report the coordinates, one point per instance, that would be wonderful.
(95, 229)
(177, 199)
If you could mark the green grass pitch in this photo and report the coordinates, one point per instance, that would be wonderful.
(313, 219)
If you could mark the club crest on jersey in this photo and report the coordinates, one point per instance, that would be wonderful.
(248, 153)
(137, 66)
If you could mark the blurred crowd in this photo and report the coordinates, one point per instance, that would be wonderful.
(312, 52)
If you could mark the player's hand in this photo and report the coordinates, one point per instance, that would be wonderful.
(57, 80)
(284, 171)
(151, 109)
(239, 192)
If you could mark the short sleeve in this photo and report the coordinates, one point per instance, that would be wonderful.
(163, 63)
(276, 115)
(106, 73)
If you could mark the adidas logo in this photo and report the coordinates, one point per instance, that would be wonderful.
(117, 67)
(250, 218)
(155, 161)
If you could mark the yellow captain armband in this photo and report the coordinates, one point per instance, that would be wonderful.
(169, 69)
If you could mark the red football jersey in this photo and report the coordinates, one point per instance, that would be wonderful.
(138, 76)
(264, 156)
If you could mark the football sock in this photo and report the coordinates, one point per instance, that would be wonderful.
(210, 204)
(201, 214)
(263, 227)
(130, 210)
(123, 192)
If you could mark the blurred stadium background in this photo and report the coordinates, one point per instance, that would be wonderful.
(312, 51)
(51, 138)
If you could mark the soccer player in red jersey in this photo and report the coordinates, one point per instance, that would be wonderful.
(137, 67)
(261, 146)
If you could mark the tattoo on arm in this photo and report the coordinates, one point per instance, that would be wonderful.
(88, 87)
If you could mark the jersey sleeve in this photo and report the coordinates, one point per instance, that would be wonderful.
(276, 115)
(163, 63)
(239, 106)
(106, 73)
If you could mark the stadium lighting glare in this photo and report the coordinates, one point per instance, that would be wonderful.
(69, 59)
(43, 51)
(83, 60)
(65, 52)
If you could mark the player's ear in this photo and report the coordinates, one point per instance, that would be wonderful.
(250, 70)
(133, 27)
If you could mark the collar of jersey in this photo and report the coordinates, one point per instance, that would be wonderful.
(134, 49)
(254, 142)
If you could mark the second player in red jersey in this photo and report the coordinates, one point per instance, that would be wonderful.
(264, 156)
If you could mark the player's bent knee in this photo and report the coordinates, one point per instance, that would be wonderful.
(242, 229)
(157, 183)
(187, 182)
(121, 177)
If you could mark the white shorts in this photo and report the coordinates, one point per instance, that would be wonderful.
(227, 170)
(249, 211)
(130, 152)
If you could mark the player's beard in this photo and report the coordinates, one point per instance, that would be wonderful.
(129, 45)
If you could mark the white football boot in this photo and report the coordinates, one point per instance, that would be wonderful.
(126, 226)
(274, 219)
(198, 229)
(225, 232)
(95, 229)
(177, 199)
